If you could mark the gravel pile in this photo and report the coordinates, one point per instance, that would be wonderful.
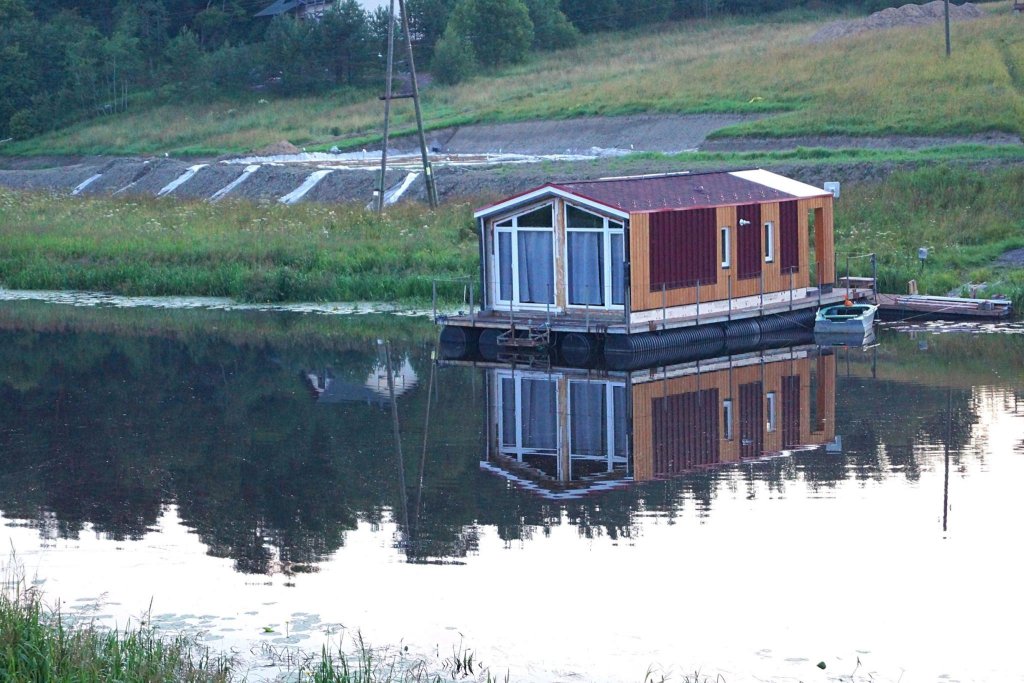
(894, 17)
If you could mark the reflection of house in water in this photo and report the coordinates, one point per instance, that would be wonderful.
(327, 388)
(566, 433)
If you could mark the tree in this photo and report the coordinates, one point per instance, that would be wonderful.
(551, 28)
(454, 59)
(500, 31)
(427, 21)
(346, 40)
(593, 15)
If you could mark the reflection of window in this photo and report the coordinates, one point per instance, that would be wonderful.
(528, 412)
(726, 248)
(595, 259)
(769, 242)
(529, 425)
(727, 418)
(598, 440)
(770, 401)
(525, 259)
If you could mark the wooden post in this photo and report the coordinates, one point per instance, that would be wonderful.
(949, 45)
(387, 107)
(427, 171)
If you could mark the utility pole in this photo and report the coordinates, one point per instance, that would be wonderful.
(428, 172)
(389, 95)
(949, 47)
(387, 107)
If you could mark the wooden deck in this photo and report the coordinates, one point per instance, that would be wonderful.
(614, 322)
(944, 306)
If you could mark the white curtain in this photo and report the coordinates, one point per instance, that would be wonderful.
(586, 269)
(536, 268)
(618, 271)
(619, 414)
(539, 415)
(505, 266)
(508, 412)
(587, 422)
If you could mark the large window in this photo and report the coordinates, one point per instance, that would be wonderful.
(595, 257)
(524, 259)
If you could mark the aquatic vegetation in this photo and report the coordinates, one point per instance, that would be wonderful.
(38, 644)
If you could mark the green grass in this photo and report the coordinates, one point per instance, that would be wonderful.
(891, 82)
(966, 218)
(36, 645)
(241, 250)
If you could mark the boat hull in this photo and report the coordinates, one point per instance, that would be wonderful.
(857, 319)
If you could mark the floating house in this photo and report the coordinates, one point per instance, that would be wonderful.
(568, 433)
(629, 263)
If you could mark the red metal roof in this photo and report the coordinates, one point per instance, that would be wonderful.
(678, 191)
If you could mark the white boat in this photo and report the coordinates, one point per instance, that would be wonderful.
(845, 318)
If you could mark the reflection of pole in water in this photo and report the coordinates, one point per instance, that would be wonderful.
(949, 433)
(395, 428)
(426, 433)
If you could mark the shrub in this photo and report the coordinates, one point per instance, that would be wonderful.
(454, 59)
(500, 31)
(24, 124)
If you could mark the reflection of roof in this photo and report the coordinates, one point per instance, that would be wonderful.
(672, 191)
(329, 389)
(543, 491)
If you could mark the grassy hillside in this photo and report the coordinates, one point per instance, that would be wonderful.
(892, 82)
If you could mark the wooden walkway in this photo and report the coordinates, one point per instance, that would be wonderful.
(944, 306)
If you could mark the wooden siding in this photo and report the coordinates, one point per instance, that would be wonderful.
(777, 277)
(685, 432)
(683, 248)
(789, 236)
(791, 411)
(749, 250)
(790, 381)
(752, 420)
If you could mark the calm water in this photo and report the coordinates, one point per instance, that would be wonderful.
(236, 474)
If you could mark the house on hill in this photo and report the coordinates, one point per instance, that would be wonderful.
(596, 262)
(311, 9)
(303, 9)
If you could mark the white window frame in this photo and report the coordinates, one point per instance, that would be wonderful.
(769, 242)
(770, 408)
(518, 450)
(725, 242)
(727, 418)
(610, 227)
(514, 230)
(610, 457)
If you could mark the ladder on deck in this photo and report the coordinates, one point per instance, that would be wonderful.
(525, 346)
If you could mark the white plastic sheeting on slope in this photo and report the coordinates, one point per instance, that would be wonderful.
(86, 183)
(180, 180)
(227, 189)
(301, 191)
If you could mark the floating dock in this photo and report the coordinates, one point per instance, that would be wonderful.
(915, 305)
